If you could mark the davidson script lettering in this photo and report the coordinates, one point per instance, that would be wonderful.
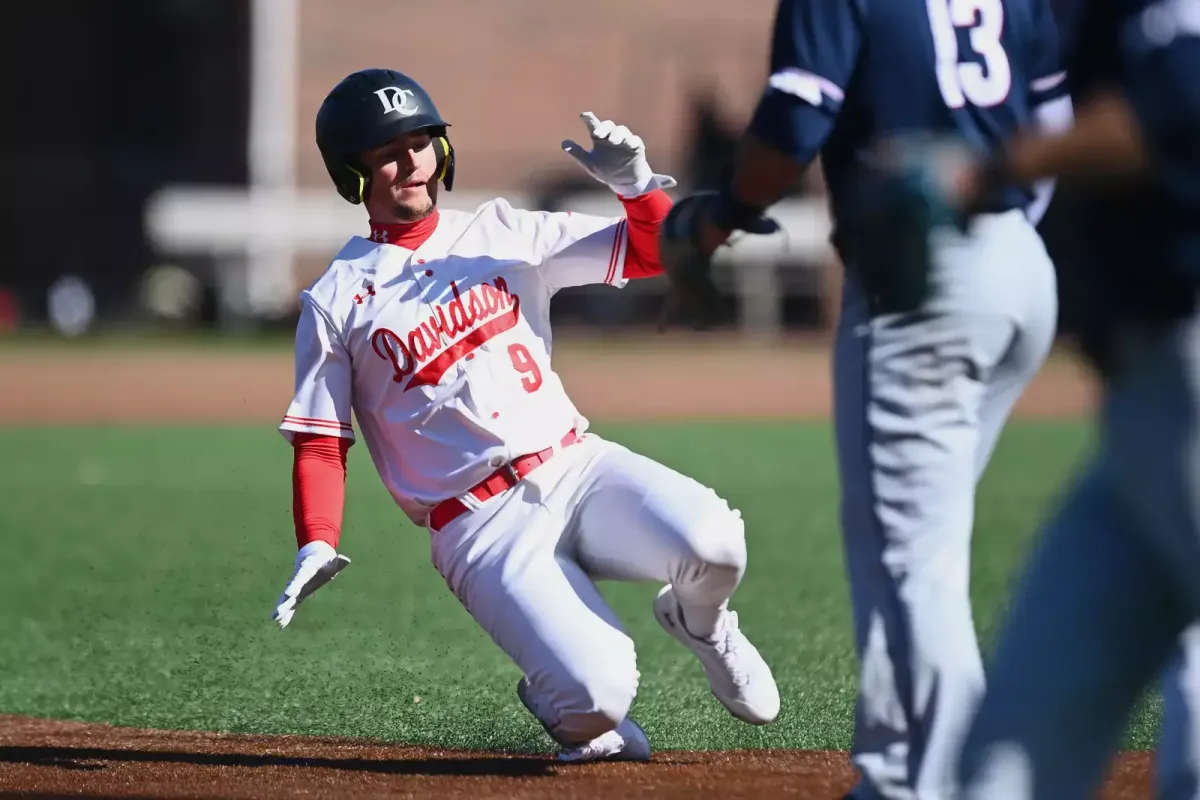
(486, 310)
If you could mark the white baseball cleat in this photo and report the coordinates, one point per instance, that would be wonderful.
(737, 673)
(626, 742)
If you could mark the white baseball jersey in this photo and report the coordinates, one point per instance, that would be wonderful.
(443, 352)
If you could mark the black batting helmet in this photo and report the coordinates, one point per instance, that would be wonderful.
(368, 109)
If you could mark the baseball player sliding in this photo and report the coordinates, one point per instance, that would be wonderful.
(434, 329)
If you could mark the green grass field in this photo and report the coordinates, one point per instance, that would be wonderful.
(142, 576)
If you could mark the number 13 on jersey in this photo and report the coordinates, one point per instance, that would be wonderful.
(960, 81)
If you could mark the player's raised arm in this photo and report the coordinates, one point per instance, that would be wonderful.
(317, 423)
(578, 249)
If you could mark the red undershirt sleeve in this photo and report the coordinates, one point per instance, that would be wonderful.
(318, 487)
(645, 214)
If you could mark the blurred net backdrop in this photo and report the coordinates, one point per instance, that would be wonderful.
(160, 168)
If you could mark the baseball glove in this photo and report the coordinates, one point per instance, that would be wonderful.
(693, 296)
(885, 238)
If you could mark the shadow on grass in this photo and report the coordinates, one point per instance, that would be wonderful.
(83, 758)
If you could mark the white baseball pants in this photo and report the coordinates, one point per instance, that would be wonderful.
(524, 563)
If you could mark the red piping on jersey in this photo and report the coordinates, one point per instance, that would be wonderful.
(410, 235)
(645, 214)
(318, 486)
(314, 422)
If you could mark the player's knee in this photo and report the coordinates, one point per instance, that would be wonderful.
(613, 697)
(597, 701)
(718, 543)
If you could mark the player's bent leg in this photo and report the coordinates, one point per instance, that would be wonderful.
(638, 519)
(1029, 273)
(626, 742)
(641, 520)
(580, 695)
(544, 612)
(1090, 624)
(1156, 475)
(1030, 346)
(1177, 765)
(908, 392)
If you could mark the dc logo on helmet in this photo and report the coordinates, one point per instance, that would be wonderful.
(396, 99)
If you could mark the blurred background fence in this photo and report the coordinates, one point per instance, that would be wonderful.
(161, 170)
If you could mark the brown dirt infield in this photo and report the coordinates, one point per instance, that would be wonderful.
(41, 758)
(646, 377)
(635, 378)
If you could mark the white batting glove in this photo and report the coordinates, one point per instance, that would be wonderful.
(617, 158)
(317, 564)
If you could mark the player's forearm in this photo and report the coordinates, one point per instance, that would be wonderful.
(318, 487)
(644, 216)
(783, 138)
(1105, 139)
(789, 127)
(762, 175)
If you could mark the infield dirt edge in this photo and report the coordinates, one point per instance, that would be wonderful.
(46, 758)
(630, 380)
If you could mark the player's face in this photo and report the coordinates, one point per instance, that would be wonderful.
(403, 188)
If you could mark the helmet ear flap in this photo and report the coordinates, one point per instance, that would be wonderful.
(445, 162)
(358, 182)
(351, 181)
(355, 186)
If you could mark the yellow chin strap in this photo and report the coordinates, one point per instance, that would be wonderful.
(445, 158)
(362, 183)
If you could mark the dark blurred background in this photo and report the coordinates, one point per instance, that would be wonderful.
(130, 122)
(112, 101)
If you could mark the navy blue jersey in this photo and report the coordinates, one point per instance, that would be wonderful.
(1143, 238)
(845, 73)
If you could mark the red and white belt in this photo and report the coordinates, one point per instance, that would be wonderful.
(499, 481)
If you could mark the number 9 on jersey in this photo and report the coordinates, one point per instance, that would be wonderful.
(522, 361)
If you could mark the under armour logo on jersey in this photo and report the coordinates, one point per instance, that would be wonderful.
(358, 298)
(379, 235)
(397, 100)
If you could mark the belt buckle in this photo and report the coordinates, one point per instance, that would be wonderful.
(511, 470)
